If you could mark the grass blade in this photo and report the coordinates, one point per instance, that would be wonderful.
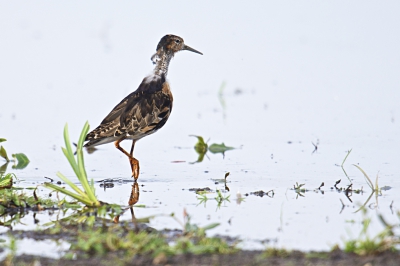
(70, 183)
(78, 197)
(68, 151)
(81, 164)
(369, 182)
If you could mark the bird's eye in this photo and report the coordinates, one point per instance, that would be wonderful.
(177, 41)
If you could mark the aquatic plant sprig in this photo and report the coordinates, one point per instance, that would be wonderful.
(20, 160)
(369, 182)
(345, 158)
(375, 188)
(220, 198)
(6, 180)
(87, 196)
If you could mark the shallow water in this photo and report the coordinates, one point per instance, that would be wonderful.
(295, 75)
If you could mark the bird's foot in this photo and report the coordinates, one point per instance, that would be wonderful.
(135, 168)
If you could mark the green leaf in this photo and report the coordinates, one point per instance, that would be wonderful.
(89, 189)
(199, 159)
(3, 153)
(6, 181)
(3, 168)
(219, 148)
(210, 226)
(71, 184)
(21, 159)
(68, 151)
(201, 146)
(2, 140)
(84, 199)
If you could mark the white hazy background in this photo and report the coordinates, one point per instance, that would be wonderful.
(314, 70)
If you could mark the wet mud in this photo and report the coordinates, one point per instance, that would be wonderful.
(254, 258)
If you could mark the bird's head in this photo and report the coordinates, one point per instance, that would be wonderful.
(173, 43)
(170, 44)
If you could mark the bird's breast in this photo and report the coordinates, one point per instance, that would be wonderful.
(166, 90)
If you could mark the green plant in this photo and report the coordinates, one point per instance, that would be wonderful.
(298, 188)
(15, 203)
(275, 252)
(191, 229)
(11, 246)
(90, 216)
(202, 147)
(87, 196)
(17, 198)
(368, 180)
(20, 160)
(6, 180)
(365, 245)
(375, 188)
(221, 198)
(102, 239)
(202, 197)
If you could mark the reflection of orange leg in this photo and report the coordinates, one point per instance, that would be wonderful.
(134, 163)
(134, 198)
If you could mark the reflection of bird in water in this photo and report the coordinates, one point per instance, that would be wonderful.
(145, 110)
(133, 199)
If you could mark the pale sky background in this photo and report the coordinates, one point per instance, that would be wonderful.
(308, 70)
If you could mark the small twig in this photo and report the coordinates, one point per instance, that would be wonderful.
(337, 182)
(51, 180)
(315, 147)
(342, 206)
(348, 153)
(391, 206)
(345, 158)
(226, 175)
(349, 192)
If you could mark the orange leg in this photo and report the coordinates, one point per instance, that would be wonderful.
(134, 163)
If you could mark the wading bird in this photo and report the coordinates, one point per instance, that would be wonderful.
(145, 110)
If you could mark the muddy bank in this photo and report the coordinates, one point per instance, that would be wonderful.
(240, 258)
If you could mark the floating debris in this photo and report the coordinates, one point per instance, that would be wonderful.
(261, 193)
(206, 189)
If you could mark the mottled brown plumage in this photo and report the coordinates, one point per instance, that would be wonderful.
(145, 110)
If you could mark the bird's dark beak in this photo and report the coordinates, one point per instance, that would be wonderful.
(191, 49)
